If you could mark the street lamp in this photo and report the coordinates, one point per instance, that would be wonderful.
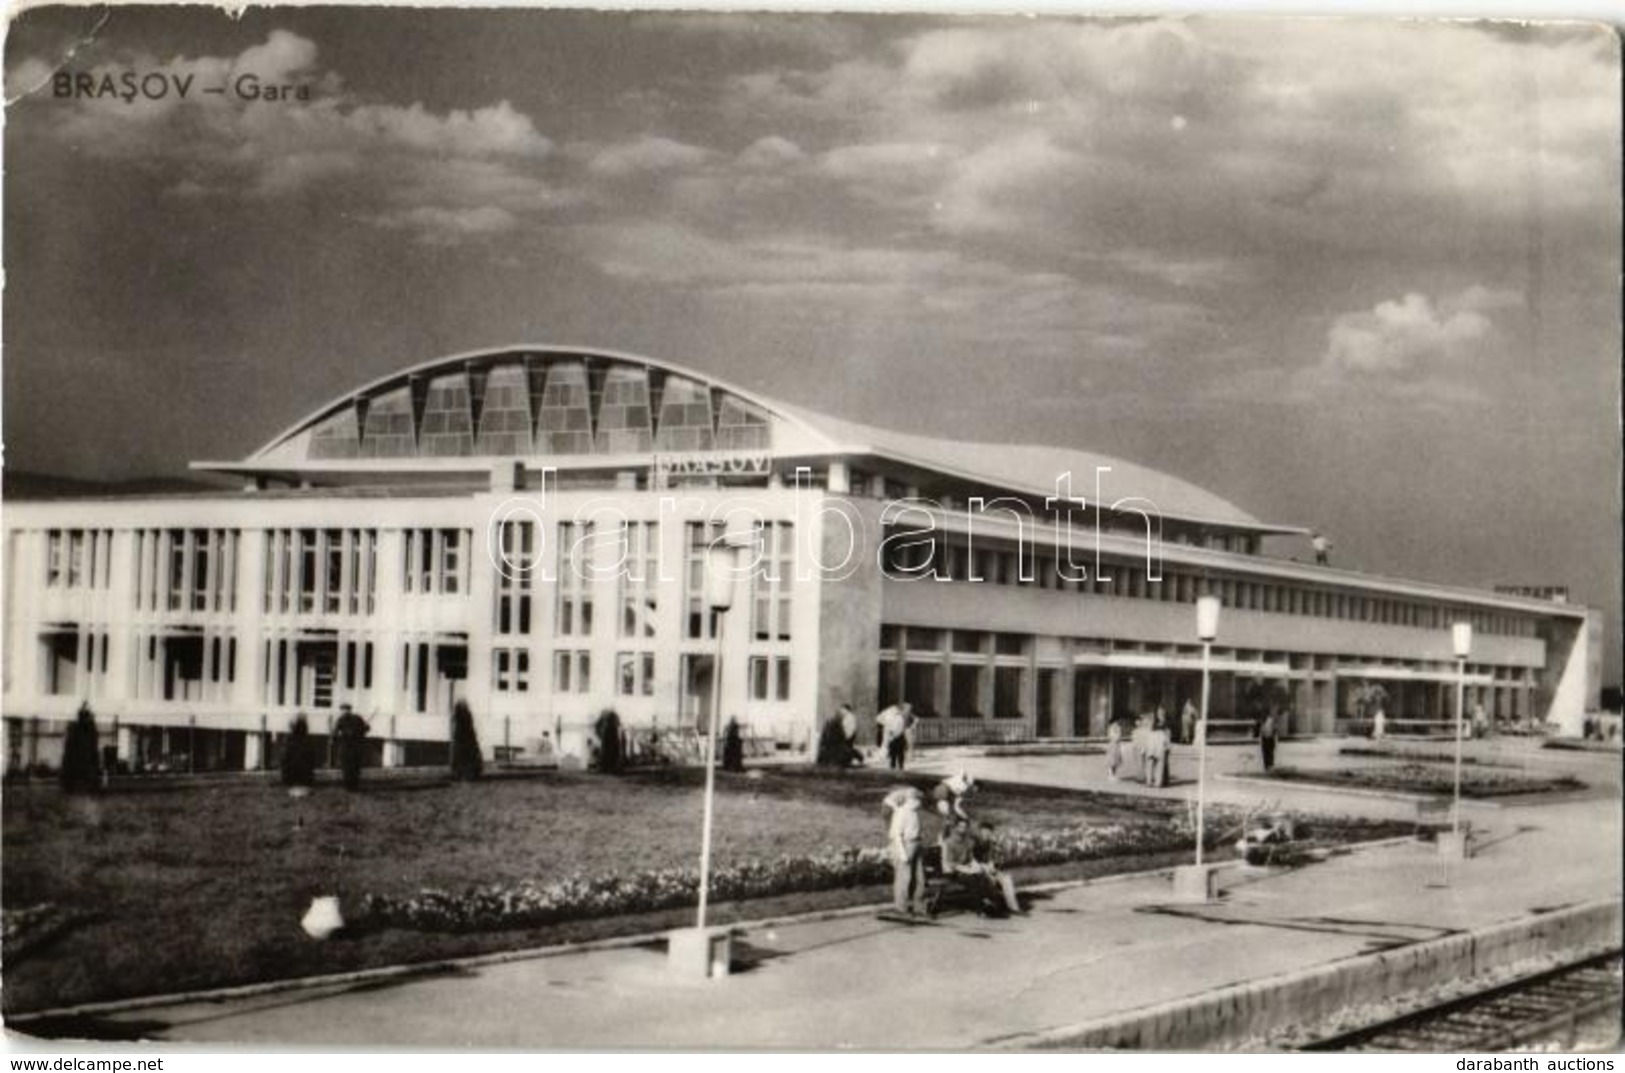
(1461, 640)
(721, 576)
(1207, 628)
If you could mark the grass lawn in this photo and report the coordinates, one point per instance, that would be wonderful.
(184, 884)
(1431, 778)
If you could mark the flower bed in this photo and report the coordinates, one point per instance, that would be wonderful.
(1419, 756)
(1421, 778)
(532, 903)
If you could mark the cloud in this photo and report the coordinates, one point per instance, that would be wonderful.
(769, 153)
(397, 166)
(644, 155)
(1403, 334)
(438, 226)
(1010, 310)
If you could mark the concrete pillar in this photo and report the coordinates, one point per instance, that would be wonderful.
(253, 750)
(394, 750)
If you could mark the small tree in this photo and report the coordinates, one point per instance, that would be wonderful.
(608, 730)
(832, 744)
(298, 760)
(466, 761)
(733, 747)
(81, 754)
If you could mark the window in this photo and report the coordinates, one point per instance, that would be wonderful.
(333, 583)
(770, 603)
(701, 624)
(514, 571)
(306, 556)
(969, 641)
(54, 558)
(640, 570)
(512, 670)
(451, 559)
(1008, 683)
(920, 687)
(572, 672)
(574, 612)
(434, 561)
(1009, 644)
(76, 558)
(965, 691)
(770, 678)
(177, 569)
(635, 674)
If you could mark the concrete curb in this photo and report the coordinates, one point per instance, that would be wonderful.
(1252, 1009)
(428, 968)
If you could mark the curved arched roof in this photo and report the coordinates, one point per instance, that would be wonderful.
(560, 401)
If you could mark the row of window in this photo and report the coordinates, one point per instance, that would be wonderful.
(768, 677)
(78, 558)
(637, 558)
(922, 557)
(332, 571)
(186, 569)
(972, 689)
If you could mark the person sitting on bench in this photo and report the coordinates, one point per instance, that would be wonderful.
(967, 858)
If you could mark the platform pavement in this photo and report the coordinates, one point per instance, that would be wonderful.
(855, 981)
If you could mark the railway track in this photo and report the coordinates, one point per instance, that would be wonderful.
(1547, 1007)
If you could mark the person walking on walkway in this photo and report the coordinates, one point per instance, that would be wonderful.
(351, 731)
(1266, 740)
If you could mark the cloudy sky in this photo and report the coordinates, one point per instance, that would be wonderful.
(1362, 275)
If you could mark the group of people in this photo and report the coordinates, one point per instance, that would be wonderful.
(1151, 741)
(965, 848)
(894, 733)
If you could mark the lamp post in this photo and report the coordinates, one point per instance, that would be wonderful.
(721, 570)
(1207, 628)
(1461, 640)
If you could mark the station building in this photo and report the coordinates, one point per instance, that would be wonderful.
(526, 529)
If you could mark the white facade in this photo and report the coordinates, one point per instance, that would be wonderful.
(523, 530)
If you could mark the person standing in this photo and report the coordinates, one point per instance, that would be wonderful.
(1323, 548)
(1266, 740)
(1114, 749)
(351, 731)
(907, 855)
(1187, 722)
(894, 726)
(849, 731)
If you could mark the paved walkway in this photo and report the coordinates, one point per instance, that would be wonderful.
(961, 982)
